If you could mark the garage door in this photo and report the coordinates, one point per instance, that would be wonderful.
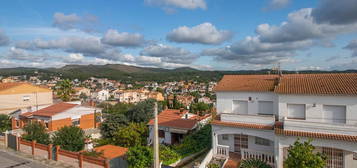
(240, 107)
(334, 114)
(265, 107)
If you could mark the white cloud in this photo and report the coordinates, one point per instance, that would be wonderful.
(336, 12)
(352, 45)
(115, 38)
(73, 21)
(204, 33)
(169, 53)
(186, 4)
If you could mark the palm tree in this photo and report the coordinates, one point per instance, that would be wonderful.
(64, 90)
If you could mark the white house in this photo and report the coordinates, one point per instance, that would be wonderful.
(103, 95)
(261, 115)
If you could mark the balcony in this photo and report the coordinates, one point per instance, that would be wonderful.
(320, 127)
(254, 154)
(248, 119)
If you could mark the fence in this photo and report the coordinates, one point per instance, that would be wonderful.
(75, 159)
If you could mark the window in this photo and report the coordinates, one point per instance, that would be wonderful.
(17, 123)
(354, 156)
(224, 137)
(334, 114)
(46, 124)
(296, 111)
(240, 107)
(76, 122)
(262, 141)
(161, 133)
(26, 98)
(265, 107)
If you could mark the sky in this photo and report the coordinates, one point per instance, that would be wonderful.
(202, 34)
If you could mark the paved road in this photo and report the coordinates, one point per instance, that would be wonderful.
(12, 161)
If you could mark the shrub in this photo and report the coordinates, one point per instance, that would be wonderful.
(168, 155)
(253, 163)
(5, 122)
(69, 138)
(36, 131)
(140, 157)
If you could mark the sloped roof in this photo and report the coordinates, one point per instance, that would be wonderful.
(54, 109)
(111, 151)
(173, 118)
(318, 84)
(256, 83)
(18, 88)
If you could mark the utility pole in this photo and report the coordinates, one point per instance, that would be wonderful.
(156, 139)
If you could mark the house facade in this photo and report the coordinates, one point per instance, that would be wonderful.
(175, 124)
(262, 115)
(56, 116)
(16, 96)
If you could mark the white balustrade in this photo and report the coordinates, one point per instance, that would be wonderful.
(253, 154)
(222, 151)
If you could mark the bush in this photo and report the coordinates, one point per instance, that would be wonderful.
(132, 135)
(93, 153)
(5, 122)
(36, 131)
(69, 138)
(168, 155)
(253, 163)
(140, 157)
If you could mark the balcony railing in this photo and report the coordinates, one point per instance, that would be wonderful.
(309, 126)
(247, 118)
(222, 151)
(253, 154)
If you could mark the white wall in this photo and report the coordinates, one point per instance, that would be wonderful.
(225, 100)
(315, 114)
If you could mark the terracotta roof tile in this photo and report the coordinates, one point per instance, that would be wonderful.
(256, 83)
(53, 109)
(316, 135)
(320, 84)
(317, 84)
(243, 125)
(173, 118)
(111, 151)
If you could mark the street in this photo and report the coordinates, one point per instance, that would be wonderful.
(12, 161)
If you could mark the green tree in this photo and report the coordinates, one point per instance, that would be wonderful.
(200, 108)
(64, 90)
(132, 135)
(253, 163)
(111, 124)
(36, 131)
(5, 122)
(69, 138)
(83, 96)
(140, 157)
(301, 154)
(142, 112)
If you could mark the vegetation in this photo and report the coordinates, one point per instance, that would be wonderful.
(36, 131)
(168, 155)
(69, 138)
(253, 163)
(132, 135)
(200, 108)
(64, 90)
(93, 153)
(141, 112)
(140, 157)
(213, 165)
(301, 154)
(5, 122)
(112, 123)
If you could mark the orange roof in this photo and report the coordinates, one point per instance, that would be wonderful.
(21, 87)
(316, 135)
(173, 118)
(320, 84)
(111, 151)
(244, 125)
(53, 109)
(257, 83)
(332, 84)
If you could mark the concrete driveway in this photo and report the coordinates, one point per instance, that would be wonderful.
(9, 160)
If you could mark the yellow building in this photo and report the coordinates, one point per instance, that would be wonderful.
(15, 96)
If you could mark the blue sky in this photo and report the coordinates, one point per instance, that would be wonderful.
(203, 34)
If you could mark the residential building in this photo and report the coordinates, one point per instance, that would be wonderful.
(174, 125)
(59, 115)
(81, 91)
(262, 115)
(103, 95)
(15, 96)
